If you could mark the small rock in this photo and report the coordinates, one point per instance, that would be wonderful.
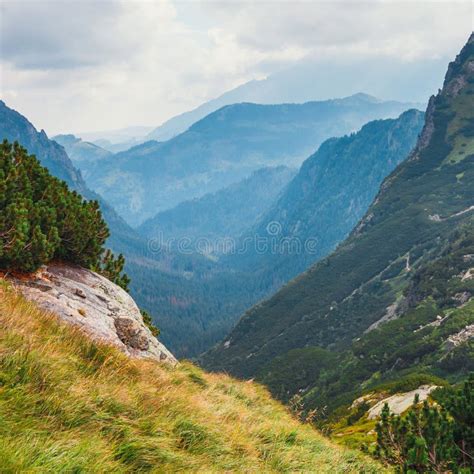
(131, 334)
(462, 298)
(400, 402)
(80, 293)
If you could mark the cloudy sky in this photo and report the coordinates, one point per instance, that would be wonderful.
(72, 65)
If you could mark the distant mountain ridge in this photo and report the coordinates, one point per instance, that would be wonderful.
(226, 147)
(82, 153)
(310, 81)
(396, 298)
(214, 219)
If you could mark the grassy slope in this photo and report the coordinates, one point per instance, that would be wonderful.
(69, 405)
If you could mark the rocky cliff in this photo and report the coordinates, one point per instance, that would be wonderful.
(99, 307)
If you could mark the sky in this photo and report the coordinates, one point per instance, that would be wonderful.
(89, 65)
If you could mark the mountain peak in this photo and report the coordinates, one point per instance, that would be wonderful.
(364, 97)
(458, 70)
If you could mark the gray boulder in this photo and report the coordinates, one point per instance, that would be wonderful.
(99, 307)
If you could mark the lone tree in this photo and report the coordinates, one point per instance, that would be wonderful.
(42, 220)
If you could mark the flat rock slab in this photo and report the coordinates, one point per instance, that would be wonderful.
(400, 402)
(99, 307)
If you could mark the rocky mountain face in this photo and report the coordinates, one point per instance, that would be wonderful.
(332, 191)
(97, 306)
(15, 127)
(395, 298)
(224, 148)
(217, 219)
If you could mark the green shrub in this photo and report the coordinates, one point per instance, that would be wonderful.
(112, 268)
(41, 219)
(431, 438)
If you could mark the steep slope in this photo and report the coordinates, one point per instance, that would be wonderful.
(69, 404)
(16, 127)
(224, 148)
(219, 218)
(324, 202)
(425, 206)
(81, 153)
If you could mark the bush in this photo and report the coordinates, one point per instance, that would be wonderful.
(149, 323)
(41, 219)
(431, 438)
(112, 267)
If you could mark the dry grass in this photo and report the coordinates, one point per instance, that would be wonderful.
(70, 405)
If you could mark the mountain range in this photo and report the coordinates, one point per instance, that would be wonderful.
(331, 192)
(394, 300)
(315, 80)
(224, 148)
(197, 300)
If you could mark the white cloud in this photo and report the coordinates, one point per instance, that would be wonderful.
(88, 65)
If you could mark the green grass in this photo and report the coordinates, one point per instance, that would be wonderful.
(70, 405)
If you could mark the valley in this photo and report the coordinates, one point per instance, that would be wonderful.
(393, 303)
(259, 258)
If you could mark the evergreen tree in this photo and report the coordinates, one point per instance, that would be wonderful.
(149, 323)
(112, 267)
(41, 219)
(430, 438)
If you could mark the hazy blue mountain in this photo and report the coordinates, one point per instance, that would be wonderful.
(310, 80)
(327, 198)
(82, 153)
(15, 127)
(117, 140)
(395, 299)
(219, 218)
(224, 148)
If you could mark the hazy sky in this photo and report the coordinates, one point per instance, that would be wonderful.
(93, 65)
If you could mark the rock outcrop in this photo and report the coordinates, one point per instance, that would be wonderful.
(400, 402)
(99, 307)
